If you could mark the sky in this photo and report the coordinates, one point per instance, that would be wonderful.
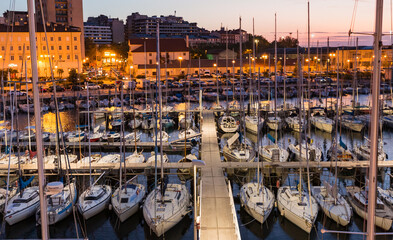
(327, 17)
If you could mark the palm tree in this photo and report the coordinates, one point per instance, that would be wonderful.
(60, 72)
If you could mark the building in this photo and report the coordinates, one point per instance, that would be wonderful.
(232, 36)
(16, 18)
(98, 29)
(99, 34)
(170, 26)
(62, 12)
(64, 47)
(144, 51)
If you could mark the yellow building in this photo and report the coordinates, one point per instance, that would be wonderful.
(64, 47)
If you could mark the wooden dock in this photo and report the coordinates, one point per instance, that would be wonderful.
(217, 219)
(173, 146)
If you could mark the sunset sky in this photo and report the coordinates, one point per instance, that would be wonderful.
(328, 17)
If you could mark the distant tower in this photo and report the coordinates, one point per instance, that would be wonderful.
(64, 12)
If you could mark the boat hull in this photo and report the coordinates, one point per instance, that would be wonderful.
(22, 215)
(295, 219)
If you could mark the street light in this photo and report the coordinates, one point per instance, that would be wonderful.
(180, 58)
(233, 68)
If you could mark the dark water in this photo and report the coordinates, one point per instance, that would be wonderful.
(106, 225)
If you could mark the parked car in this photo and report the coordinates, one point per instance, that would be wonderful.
(16, 93)
(76, 88)
(58, 89)
(93, 86)
(108, 86)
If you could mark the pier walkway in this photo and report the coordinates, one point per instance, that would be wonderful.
(217, 219)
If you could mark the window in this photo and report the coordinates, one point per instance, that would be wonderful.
(184, 54)
(12, 48)
(68, 57)
(68, 48)
(43, 39)
(150, 54)
(59, 38)
(28, 48)
(51, 38)
(12, 58)
(75, 39)
(20, 48)
(2, 48)
(60, 48)
(67, 39)
(60, 57)
(20, 58)
(75, 47)
(44, 48)
(52, 48)
(150, 61)
(76, 56)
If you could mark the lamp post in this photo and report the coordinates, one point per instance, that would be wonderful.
(180, 59)
(218, 95)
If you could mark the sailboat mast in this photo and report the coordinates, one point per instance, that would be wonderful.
(160, 100)
(374, 121)
(37, 112)
(355, 73)
(275, 67)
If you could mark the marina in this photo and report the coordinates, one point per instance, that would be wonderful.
(134, 145)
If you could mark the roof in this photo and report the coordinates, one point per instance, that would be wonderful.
(39, 28)
(166, 45)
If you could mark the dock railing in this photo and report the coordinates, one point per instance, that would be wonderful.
(234, 216)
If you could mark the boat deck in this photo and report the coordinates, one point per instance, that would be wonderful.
(217, 220)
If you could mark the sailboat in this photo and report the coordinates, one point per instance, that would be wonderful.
(252, 124)
(274, 123)
(167, 204)
(238, 151)
(352, 123)
(257, 200)
(299, 150)
(294, 124)
(359, 202)
(322, 123)
(127, 199)
(332, 203)
(228, 124)
(162, 212)
(295, 206)
(22, 206)
(363, 151)
(147, 123)
(60, 200)
(273, 153)
(96, 198)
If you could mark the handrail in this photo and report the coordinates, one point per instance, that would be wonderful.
(234, 216)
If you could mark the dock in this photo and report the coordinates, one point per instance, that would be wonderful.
(173, 146)
(217, 216)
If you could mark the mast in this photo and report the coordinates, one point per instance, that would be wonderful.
(374, 121)
(355, 77)
(275, 72)
(37, 112)
(160, 100)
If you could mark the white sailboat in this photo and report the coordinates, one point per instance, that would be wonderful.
(228, 124)
(314, 153)
(22, 206)
(295, 206)
(252, 124)
(274, 123)
(322, 123)
(359, 202)
(126, 201)
(236, 151)
(273, 153)
(363, 151)
(136, 123)
(294, 124)
(257, 200)
(151, 159)
(135, 157)
(60, 201)
(352, 123)
(189, 133)
(162, 212)
(332, 203)
(94, 200)
(147, 123)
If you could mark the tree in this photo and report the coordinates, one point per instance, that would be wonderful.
(286, 42)
(73, 77)
(60, 72)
